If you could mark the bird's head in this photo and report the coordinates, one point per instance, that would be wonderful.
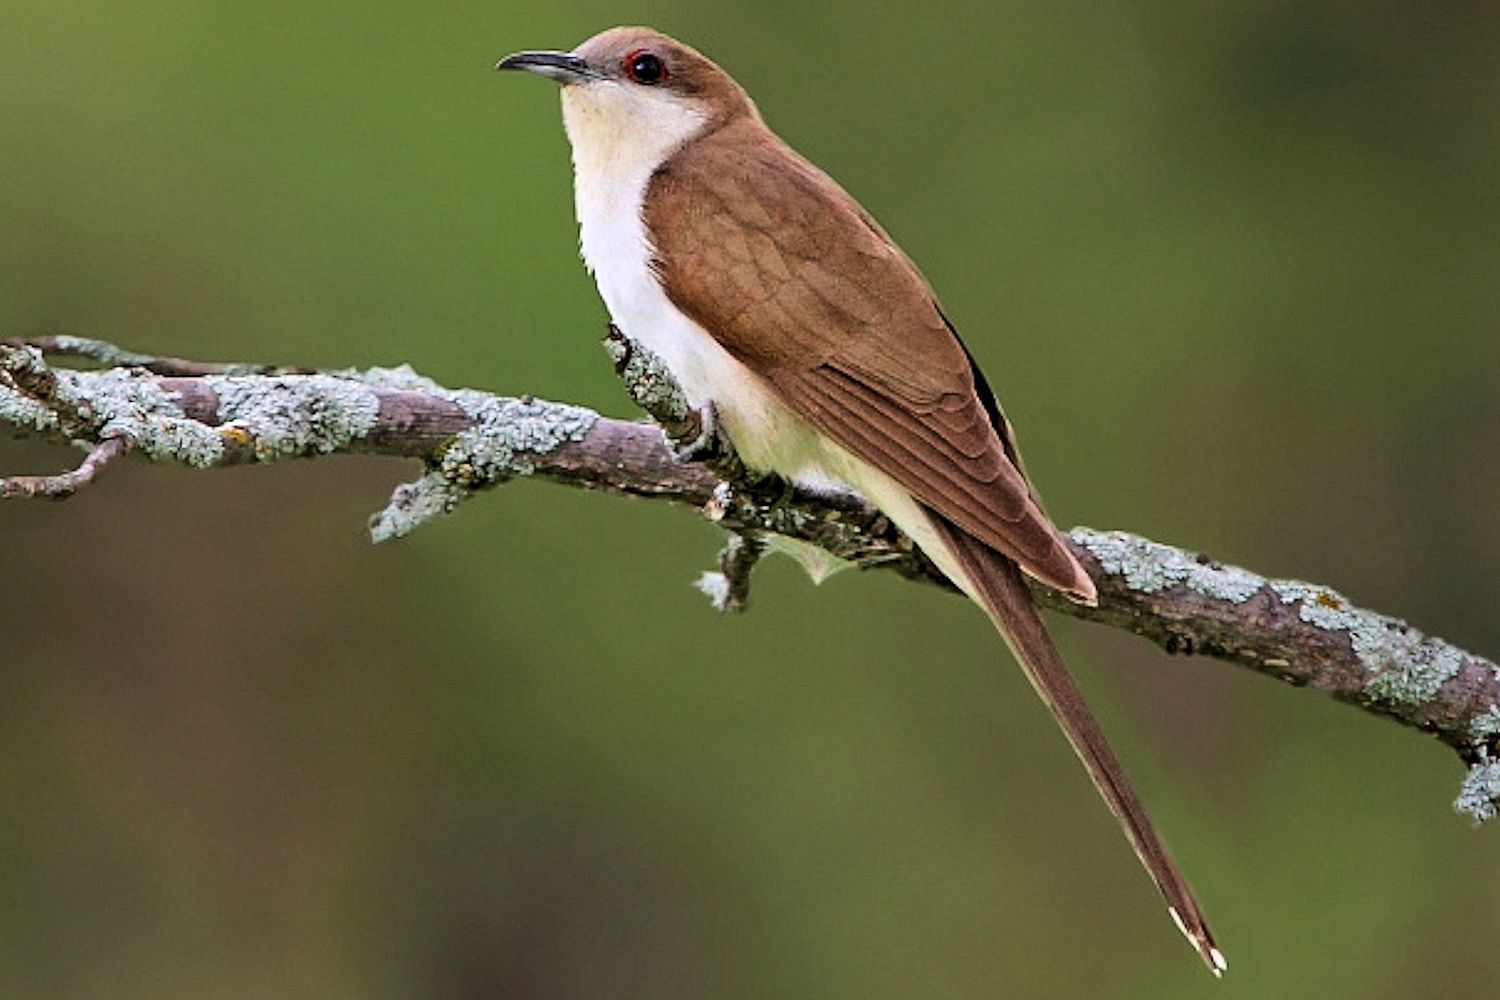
(637, 87)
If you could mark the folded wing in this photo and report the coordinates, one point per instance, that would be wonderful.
(792, 277)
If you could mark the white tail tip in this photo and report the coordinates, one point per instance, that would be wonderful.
(1211, 954)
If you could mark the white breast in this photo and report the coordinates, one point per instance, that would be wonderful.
(612, 166)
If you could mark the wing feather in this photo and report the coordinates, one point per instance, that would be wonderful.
(793, 278)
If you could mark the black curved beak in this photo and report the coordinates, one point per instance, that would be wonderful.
(564, 67)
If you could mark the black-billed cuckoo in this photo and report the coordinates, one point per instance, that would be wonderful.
(778, 302)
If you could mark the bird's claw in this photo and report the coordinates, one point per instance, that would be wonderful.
(707, 444)
(711, 447)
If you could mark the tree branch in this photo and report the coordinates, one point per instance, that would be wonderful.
(207, 415)
(65, 484)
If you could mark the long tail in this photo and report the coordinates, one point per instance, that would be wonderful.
(997, 582)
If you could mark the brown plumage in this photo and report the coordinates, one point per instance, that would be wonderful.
(773, 293)
(794, 279)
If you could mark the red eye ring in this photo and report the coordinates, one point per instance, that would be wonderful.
(644, 67)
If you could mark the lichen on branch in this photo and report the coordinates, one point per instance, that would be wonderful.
(202, 415)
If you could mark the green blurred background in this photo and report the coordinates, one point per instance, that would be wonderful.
(1232, 268)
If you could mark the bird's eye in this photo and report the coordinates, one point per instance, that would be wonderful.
(643, 67)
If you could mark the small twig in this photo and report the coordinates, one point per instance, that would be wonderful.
(729, 588)
(64, 485)
(24, 372)
(107, 355)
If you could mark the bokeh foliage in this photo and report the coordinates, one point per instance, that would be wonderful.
(1231, 266)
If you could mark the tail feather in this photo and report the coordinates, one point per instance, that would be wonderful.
(996, 582)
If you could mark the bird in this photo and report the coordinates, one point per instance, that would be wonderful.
(819, 350)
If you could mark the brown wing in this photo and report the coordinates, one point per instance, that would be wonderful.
(796, 280)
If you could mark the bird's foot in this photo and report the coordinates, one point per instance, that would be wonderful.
(708, 444)
(713, 448)
(773, 493)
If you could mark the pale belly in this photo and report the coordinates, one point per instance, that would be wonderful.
(766, 433)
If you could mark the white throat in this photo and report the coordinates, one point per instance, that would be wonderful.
(620, 136)
(619, 141)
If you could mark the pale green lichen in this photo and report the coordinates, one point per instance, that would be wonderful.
(413, 505)
(102, 351)
(1405, 666)
(112, 356)
(715, 586)
(402, 378)
(1150, 567)
(1320, 606)
(648, 379)
(129, 403)
(499, 446)
(1410, 672)
(25, 412)
(89, 406)
(506, 432)
(1480, 791)
(296, 415)
(1486, 725)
